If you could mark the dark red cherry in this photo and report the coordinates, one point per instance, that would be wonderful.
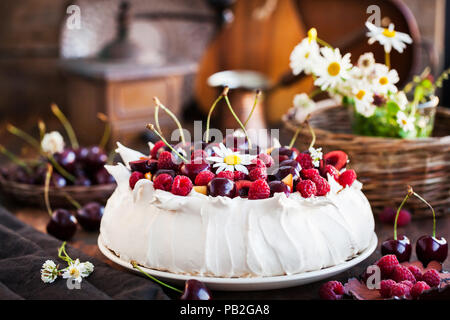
(153, 165)
(58, 180)
(208, 147)
(282, 172)
(291, 163)
(337, 159)
(192, 169)
(90, 215)
(278, 186)
(81, 154)
(102, 176)
(82, 181)
(430, 248)
(222, 187)
(96, 158)
(142, 165)
(195, 290)
(67, 159)
(62, 225)
(400, 247)
(168, 171)
(242, 187)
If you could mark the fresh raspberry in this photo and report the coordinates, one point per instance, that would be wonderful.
(258, 174)
(407, 283)
(332, 171)
(400, 290)
(239, 175)
(181, 186)
(259, 190)
(432, 278)
(305, 161)
(387, 264)
(307, 188)
(226, 174)
(416, 272)
(266, 159)
(163, 182)
(166, 161)
(242, 188)
(157, 148)
(135, 177)
(256, 163)
(331, 290)
(404, 217)
(386, 288)
(347, 178)
(309, 173)
(387, 215)
(322, 185)
(418, 288)
(401, 273)
(203, 178)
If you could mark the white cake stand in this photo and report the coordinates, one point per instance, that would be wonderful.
(248, 284)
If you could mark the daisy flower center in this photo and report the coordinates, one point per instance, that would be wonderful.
(360, 94)
(232, 159)
(333, 69)
(383, 81)
(74, 273)
(404, 121)
(306, 55)
(389, 33)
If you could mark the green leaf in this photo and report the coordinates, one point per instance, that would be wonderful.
(392, 107)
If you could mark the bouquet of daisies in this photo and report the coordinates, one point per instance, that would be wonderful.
(368, 88)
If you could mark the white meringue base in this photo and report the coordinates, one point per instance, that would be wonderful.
(223, 237)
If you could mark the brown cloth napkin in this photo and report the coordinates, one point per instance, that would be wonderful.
(23, 250)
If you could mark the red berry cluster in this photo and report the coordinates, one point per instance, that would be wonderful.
(295, 173)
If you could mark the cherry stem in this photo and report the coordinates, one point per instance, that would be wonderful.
(74, 202)
(42, 129)
(238, 121)
(311, 130)
(48, 175)
(173, 116)
(152, 128)
(134, 264)
(14, 158)
(324, 43)
(432, 210)
(258, 94)
(34, 143)
(66, 124)
(223, 94)
(157, 119)
(294, 138)
(410, 193)
(107, 131)
(61, 251)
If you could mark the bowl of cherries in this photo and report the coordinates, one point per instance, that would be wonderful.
(78, 170)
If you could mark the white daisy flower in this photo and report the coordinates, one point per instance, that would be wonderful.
(363, 100)
(388, 37)
(49, 271)
(303, 101)
(385, 79)
(332, 69)
(401, 100)
(316, 155)
(303, 56)
(74, 271)
(366, 62)
(87, 269)
(228, 160)
(52, 142)
(405, 122)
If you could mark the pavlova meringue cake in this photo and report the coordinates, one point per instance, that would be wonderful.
(254, 228)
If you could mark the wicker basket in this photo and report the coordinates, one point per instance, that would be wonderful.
(28, 194)
(386, 166)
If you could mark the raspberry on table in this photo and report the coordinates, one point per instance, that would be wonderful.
(166, 161)
(416, 272)
(400, 290)
(258, 173)
(309, 173)
(156, 148)
(181, 186)
(256, 163)
(332, 171)
(135, 177)
(404, 217)
(387, 264)
(163, 182)
(322, 185)
(386, 288)
(347, 178)
(239, 175)
(432, 278)
(331, 290)
(401, 273)
(259, 189)
(418, 288)
(305, 160)
(226, 174)
(307, 188)
(204, 177)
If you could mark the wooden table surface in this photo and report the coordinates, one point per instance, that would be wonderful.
(87, 242)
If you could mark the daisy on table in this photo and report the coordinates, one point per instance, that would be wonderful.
(305, 54)
(228, 160)
(332, 68)
(388, 37)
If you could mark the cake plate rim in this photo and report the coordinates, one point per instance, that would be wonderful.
(247, 284)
